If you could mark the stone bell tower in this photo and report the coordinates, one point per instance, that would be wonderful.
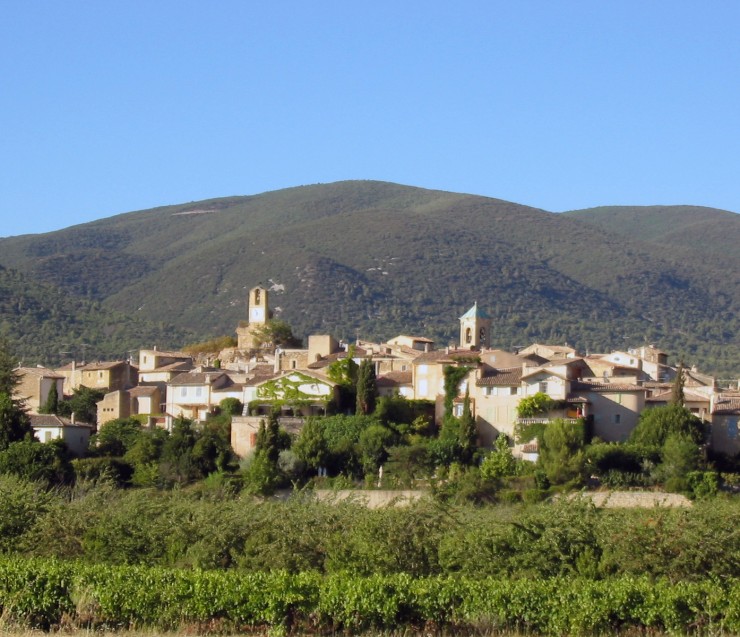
(475, 329)
(258, 313)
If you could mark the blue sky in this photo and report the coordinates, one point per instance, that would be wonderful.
(108, 107)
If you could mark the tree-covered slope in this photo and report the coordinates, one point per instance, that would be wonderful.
(707, 231)
(376, 259)
(46, 325)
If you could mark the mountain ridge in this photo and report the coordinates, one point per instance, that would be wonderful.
(375, 258)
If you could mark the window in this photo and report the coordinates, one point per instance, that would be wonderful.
(482, 334)
(543, 387)
(488, 391)
(293, 364)
(183, 392)
(513, 391)
(198, 391)
(458, 411)
(468, 336)
(617, 419)
(257, 296)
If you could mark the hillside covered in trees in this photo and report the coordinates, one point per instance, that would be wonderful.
(376, 259)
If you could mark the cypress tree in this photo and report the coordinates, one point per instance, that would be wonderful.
(367, 389)
(677, 395)
(467, 432)
(51, 406)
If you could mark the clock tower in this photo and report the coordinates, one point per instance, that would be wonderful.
(257, 306)
(258, 313)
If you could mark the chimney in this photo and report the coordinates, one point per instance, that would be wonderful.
(73, 418)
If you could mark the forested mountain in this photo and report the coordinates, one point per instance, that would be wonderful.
(46, 325)
(376, 259)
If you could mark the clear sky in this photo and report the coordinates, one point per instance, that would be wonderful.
(108, 107)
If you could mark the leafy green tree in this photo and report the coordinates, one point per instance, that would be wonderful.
(561, 450)
(262, 477)
(374, 444)
(231, 407)
(656, 424)
(116, 437)
(407, 463)
(48, 463)
(22, 504)
(144, 456)
(177, 465)
(342, 434)
(275, 333)
(535, 405)
(367, 389)
(51, 405)
(212, 451)
(311, 446)
(83, 404)
(14, 422)
(500, 463)
(681, 456)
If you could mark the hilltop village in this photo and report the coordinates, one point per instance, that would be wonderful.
(607, 390)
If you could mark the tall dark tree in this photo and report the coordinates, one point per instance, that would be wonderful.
(51, 406)
(367, 388)
(467, 432)
(177, 465)
(14, 422)
(269, 438)
(677, 393)
(8, 376)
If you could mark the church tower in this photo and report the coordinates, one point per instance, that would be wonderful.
(475, 329)
(258, 313)
(257, 306)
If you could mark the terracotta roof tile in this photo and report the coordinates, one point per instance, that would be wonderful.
(143, 390)
(605, 387)
(495, 377)
(727, 405)
(393, 379)
(453, 356)
(196, 379)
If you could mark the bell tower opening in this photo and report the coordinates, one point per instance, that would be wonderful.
(475, 329)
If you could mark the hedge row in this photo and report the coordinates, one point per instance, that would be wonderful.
(47, 593)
